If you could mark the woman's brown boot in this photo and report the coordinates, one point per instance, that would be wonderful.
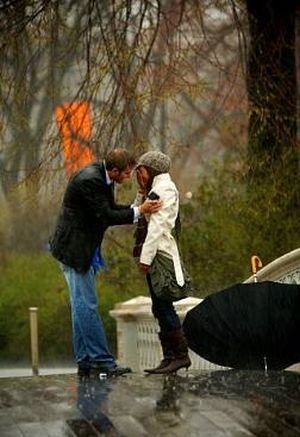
(181, 359)
(168, 355)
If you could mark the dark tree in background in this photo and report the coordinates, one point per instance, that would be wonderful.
(273, 152)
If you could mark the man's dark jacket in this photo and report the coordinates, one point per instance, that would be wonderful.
(88, 209)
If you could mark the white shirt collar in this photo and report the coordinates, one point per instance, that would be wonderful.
(108, 179)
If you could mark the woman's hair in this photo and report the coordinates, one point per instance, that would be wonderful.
(152, 173)
(120, 159)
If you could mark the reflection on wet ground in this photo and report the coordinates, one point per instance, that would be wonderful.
(9, 372)
(220, 403)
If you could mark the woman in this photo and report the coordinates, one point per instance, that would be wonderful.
(159, 258)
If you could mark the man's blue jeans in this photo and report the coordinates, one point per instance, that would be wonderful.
(89, 338)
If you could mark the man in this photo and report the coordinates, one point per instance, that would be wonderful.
(88, 209)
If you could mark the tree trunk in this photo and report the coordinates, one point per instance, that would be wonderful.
(272, 93)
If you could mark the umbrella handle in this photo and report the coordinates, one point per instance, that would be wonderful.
(256, 264)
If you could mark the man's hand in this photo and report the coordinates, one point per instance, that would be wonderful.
(144, 268)
(150, 206)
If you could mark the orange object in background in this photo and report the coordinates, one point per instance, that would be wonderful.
(75, 126)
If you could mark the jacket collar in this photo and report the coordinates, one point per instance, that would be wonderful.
(161, 178)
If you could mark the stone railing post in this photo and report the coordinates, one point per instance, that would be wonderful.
(126, 314)
(34, 345)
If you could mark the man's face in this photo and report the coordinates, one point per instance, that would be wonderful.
(120, 176)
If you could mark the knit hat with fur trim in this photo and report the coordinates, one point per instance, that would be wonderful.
(156, 160)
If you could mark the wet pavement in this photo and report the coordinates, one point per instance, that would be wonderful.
(209, 404)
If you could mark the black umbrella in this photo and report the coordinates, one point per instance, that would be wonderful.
(247, 326)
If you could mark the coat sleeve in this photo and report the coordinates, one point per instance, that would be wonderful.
(100, 202)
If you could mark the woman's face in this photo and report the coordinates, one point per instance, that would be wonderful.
(142, 177)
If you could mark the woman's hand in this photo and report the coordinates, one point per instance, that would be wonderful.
(144, 268)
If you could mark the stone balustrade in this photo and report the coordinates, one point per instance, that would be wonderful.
(137, 340)
(285, 269)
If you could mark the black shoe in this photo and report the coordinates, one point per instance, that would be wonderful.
(83, 371)
(109, 372)
(93, 368)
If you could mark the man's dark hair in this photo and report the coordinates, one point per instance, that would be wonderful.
(120, 159)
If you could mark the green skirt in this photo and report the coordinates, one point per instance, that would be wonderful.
(163, 279)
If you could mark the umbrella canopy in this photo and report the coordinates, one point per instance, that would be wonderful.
(247, 326)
